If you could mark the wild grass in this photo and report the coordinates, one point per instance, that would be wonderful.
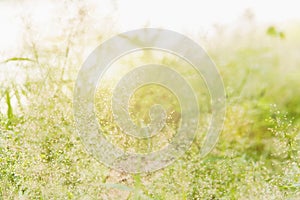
(257, 156)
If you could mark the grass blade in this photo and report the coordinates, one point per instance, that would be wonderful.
(17, 59)
(9, 107)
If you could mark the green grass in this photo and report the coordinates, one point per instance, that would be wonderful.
(257, 156)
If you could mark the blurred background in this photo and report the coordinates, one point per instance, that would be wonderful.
(192, 17)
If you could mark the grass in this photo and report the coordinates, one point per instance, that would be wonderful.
(257, 156)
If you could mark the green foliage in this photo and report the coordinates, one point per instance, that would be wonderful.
(272, 31)
(257, 156)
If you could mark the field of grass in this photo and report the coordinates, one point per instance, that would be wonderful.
(257, 155)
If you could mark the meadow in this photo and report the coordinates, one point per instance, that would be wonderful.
(257, 155)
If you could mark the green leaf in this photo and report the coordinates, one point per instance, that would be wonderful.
(17, 59)
(272, 31)
(281, 35)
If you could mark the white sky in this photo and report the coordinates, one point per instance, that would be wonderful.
(191, 14)
(187, 15)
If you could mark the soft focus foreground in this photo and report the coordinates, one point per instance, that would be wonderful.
(257, 156)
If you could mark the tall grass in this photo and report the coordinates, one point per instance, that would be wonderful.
(257, 156)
